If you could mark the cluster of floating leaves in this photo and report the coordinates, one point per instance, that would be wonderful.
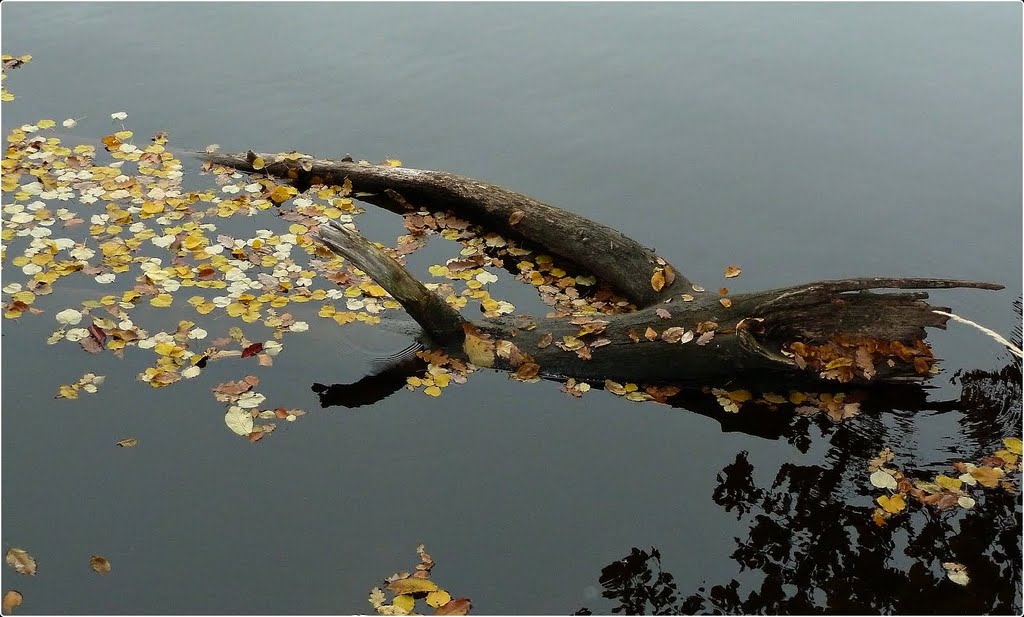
(128, 222)
(409, 588)
(23, 563)
(944, 491)
(89, 382)
(244, 404)
(9, 63)
(837, 406)
(558, 283)
(442, 371)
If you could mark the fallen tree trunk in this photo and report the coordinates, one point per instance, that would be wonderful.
(830, 330)
(827, 330)
(624, 263)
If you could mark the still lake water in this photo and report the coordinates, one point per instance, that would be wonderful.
(801, 141)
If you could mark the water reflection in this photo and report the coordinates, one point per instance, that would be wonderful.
(812, 547)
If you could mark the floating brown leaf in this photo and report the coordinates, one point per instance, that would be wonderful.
(128, 442)
(21, 561)
(732, 271)
(252, 350)
(99, 564)
(459, 606)
(411, 585)
(12, 599)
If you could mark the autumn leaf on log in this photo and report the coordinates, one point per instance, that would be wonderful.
(658, 279)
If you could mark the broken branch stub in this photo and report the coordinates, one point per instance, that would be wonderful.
(439, 321)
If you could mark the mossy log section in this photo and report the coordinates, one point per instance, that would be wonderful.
(622, 262)
(749, 335)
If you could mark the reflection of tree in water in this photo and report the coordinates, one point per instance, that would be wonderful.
(812, 546)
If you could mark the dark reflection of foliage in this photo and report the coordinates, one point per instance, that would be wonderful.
(812, 548)
(735, 488)
(638, 585)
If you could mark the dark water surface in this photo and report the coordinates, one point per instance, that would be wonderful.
(802, 142)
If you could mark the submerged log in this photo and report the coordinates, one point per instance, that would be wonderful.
(844, 331)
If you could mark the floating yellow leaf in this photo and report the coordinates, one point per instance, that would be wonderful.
(438, 598)
(1013, 445)
(405, 602)
(432, 391)
(162, 300)
(893, 504)
(952, 484)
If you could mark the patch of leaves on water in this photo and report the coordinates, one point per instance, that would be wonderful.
(999, 470)
(407, 589)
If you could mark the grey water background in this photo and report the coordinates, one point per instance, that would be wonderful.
(800, 141)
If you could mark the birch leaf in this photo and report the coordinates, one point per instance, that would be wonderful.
(893, 504)
(438, 598)
(404, 602)
(881, 479)
(956, 572)
(239, 421)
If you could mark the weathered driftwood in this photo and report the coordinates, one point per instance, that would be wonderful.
(749, 336)
(613, 257)
(824, 330)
